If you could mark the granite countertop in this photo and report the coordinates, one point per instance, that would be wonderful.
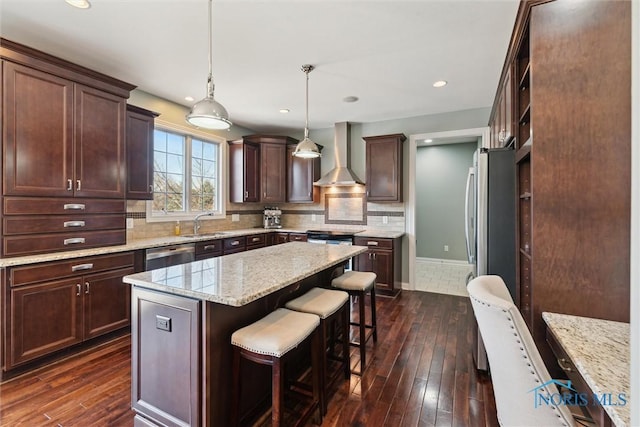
(600, 351)
(241, 278)
(168, 241)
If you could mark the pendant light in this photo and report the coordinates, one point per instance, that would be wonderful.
(208, 113)
(306, 148)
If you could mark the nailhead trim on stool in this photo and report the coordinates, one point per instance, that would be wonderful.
(268, 342)
(357, 284)
(329, 305)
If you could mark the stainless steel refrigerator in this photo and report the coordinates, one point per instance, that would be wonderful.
(490, 227)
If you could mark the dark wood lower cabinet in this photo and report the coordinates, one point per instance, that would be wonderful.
(106, 302)
(383, 258)
(44, 318)
(52, 306)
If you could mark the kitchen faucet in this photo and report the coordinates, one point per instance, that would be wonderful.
(196, 221)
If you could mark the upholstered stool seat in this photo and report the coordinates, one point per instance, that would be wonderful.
(358, 284)
(329, 305)
(268, 341)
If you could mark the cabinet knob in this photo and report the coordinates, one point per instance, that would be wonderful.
(78, 289)
(78, 185)
(86, 287)
(246, 194)
(69, 184)
(150, 188)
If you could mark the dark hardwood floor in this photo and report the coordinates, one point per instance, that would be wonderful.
(419, 373)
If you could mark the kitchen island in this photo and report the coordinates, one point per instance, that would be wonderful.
(183, 317)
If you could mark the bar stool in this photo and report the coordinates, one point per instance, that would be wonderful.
(269, 342)
(329, 305)
(357, 284)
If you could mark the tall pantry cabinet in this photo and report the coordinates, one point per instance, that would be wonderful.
(570, 64)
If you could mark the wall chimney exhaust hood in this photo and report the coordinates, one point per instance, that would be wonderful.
(341, 174)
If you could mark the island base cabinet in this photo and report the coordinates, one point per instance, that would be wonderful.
(166, 346)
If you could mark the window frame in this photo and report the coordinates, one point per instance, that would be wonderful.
(221, 172)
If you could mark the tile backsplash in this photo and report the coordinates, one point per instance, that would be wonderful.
(382, 216)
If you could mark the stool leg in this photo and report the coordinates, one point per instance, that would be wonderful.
(363, 332)
(324, 371)
(316, 373)
(277, 392)
(374, 325)
(345, 340)
(235, 396)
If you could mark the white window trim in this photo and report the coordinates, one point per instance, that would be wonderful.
(222, 178)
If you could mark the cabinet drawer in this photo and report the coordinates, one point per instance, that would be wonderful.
(44, 243)
(257, 241)
(73, 267)
(234, 244)
(297, 237)
(61, 206)
(61, 223)
(209, 248)
(373, 242)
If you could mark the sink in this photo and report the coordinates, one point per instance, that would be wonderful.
(191, 236)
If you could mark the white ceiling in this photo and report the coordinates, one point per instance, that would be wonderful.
(387, 53)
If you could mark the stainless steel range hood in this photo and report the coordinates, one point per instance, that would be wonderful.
(341, 174)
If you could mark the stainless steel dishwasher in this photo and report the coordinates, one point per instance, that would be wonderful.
(169, 255)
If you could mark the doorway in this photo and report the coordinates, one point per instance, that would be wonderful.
(421, 266)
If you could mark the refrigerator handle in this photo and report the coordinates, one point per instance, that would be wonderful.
(467, 214)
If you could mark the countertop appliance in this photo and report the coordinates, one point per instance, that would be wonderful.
(167, 256)
(272, 217)
(490, 227)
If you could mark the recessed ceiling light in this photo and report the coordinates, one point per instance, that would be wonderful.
(440, 83)
(428, 140)
(80, 4)
(284, 110)
(350, 99)
(189, 98)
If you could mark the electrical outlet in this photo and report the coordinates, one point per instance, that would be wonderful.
(446, 248)
(235, 217)
(313, 217)
(385, 219)
(129, 223)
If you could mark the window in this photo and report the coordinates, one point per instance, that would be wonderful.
(187, 176)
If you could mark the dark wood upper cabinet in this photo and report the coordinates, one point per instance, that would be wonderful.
(501, 123)
(244, 171)
(273, 172)
(384, 167)
(63, 127)
(140, 126)
(261, 169)
(100, 163)
(37, 132)
(301, 174)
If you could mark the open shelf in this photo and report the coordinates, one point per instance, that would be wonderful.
(524, 151)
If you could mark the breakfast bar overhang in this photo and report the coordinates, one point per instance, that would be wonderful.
(183, 317)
